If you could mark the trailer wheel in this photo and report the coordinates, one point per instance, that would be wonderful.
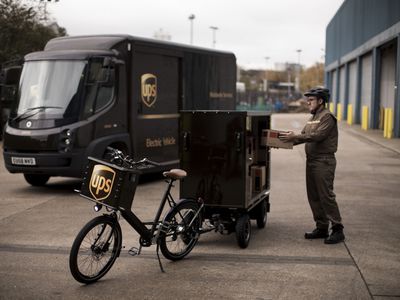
(261, 214)
(36, 179)
(243, 230)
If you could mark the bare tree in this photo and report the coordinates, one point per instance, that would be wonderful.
(22, 29)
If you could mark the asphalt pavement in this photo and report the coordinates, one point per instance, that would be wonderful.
(38, 226)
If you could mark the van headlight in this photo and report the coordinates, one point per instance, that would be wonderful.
(66, 140)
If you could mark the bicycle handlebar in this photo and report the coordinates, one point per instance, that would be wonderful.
(150, 162)
(118, 156)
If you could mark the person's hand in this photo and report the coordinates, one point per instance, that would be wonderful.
(287, 137)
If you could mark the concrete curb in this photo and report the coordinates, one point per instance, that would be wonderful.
(374, 136)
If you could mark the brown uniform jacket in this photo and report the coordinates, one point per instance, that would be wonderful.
(320, 134)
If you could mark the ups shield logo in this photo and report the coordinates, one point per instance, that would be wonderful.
(101, 182)
(149, 89)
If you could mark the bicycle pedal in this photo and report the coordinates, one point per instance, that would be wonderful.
(134, 251)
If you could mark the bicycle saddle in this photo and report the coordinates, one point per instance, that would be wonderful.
(175, 174)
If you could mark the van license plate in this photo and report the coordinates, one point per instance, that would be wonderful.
(26, 161)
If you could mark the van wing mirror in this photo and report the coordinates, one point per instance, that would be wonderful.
(107, 62)
(101, 70)
(10, 75)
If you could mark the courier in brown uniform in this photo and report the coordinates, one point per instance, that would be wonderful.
(320, 136)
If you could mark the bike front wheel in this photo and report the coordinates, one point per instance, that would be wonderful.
(183, 223)
(95, 249)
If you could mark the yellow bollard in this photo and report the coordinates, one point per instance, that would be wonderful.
(350, 114)
(382, 118)
(331, 107)
(389, 123)
(385, 122)
(364, 117)
(339, 111)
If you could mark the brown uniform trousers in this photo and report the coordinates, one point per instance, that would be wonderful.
(321, 137)
(320, 173)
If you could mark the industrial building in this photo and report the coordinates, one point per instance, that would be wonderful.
(362, 64)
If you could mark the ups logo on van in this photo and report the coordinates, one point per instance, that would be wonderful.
(101, 182)
(149, 89)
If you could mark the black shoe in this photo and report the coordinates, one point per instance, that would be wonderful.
(317, 233)
(335, 237)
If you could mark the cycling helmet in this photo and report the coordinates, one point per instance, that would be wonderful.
(319, 92)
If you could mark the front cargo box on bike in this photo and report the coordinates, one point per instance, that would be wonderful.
(227, 164)
(109, 184)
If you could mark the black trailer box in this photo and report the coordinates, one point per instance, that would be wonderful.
(226, 162)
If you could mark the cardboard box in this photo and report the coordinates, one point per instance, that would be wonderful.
(258, 178)
(270, 138)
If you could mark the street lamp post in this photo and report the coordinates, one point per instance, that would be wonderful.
(214, 29)
(43, 6)
(289, 69)
(322, 65)
(298, 55)
(298, 69)
(191, 18)
(266, 73)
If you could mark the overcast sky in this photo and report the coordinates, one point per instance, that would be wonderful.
(252, 29)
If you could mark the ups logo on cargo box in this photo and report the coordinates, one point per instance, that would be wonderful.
(149, 89)
(101, 182)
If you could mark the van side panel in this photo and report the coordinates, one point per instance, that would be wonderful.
(155, 97)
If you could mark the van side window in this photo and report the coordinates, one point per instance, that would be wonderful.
(99, 87)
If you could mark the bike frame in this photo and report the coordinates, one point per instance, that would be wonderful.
(118, 197)
(145, 233)
(148, 236)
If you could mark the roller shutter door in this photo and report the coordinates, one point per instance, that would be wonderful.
(342, 90)
(387, 90)
(366, 90)
(333, 92)
(351, 108)
(387, 78)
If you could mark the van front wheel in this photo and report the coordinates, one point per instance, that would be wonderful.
(36, 179)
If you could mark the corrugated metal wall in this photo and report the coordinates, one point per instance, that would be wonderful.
(362, 55)
(356, 22)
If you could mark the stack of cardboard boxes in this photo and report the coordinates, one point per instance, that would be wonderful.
(270, 138)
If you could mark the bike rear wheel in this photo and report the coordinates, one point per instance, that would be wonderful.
(182, 234)
(95, 249)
